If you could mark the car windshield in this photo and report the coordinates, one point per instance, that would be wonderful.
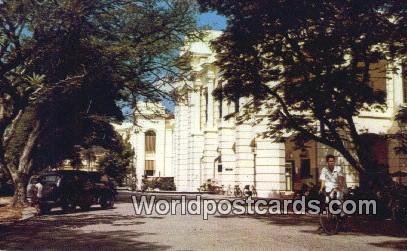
(50, 178)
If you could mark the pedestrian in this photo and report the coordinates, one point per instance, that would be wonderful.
(39, 187)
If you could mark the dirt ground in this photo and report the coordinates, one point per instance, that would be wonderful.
(6, 212)
(121, 229)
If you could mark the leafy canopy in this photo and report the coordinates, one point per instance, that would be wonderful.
(71, 64)
(309, 63)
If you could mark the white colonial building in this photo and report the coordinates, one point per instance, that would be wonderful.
(207, 146)
(198, 143)
(151, 138)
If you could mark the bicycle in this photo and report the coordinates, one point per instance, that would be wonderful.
(229, 191)
(330, 223)
(237, 192)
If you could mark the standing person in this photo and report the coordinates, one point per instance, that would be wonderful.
(39, 187)
(32, 191)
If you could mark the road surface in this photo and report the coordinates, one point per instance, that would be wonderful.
(120, 228)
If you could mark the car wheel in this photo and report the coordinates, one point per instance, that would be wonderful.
(68, 206)
(107, 202)
(44, 209)
(85, 207)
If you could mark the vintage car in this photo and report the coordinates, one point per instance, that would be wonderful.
(70, 188)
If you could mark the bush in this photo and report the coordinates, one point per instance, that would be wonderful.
(162, 183)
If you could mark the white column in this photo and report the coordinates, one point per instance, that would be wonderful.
(196, 111)
(181, 146)
(226, 138)
(210, 133)
(203, 109)
(210, 153)
(188, 130)
(140, 161)
(210, 84)
(195, 143)
(396, 81)
(270, 167)
(244, 156)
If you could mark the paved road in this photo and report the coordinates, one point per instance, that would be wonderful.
(119, 228)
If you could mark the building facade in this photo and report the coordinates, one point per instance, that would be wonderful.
(207, 146)
(151, 138)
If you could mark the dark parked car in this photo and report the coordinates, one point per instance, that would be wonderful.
(68, 189)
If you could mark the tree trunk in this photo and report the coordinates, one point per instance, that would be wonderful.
(20, 185)
(20, 177)
(369, 173)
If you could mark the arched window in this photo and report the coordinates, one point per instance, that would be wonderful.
(150, 141)
(305, 168)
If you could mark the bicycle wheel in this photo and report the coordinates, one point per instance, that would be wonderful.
(329, 222)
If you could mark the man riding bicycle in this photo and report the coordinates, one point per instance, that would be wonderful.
(332, 180)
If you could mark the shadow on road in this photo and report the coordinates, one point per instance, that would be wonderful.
(355, 225)
(401, 245)
(63, 232)
(61, 212)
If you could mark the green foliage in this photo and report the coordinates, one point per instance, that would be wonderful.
(117, 164)
(309, 66)
(72, 68)
(161, 183)
(401, 135)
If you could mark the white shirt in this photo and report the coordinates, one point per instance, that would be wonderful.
(39, 187)
(331, 178)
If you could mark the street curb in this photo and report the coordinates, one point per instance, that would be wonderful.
(203, 196)
(161, 192)
(175, 193)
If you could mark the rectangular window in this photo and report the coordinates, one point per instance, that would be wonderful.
(377, 74)
(305, 168)
(149, 172)
(290, 164)
(149, 165)
(150, 143)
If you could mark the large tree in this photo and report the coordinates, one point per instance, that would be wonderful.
(65, 66)
(310, 64)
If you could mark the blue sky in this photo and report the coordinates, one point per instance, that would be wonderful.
(212, 19)
(216, 22)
